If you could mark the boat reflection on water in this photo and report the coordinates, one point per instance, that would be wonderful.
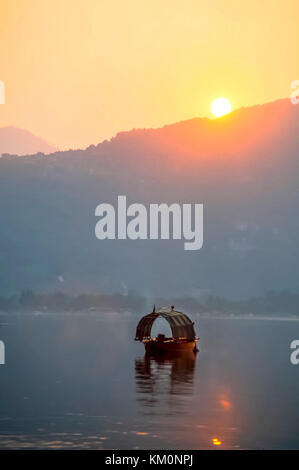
(164, 382)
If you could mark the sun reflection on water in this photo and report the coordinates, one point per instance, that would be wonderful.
(216, 441)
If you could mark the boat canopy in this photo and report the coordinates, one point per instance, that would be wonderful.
(180, 324)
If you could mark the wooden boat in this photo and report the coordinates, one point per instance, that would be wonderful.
(183, 334)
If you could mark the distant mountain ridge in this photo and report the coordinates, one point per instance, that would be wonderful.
(243, 167)
(21, 142)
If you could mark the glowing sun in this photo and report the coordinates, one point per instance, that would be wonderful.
(220, 107)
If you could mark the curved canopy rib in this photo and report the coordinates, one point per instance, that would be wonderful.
(180, 324)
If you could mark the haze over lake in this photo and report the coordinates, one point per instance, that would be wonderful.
(80, 381)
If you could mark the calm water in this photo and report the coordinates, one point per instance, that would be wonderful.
(82, 382)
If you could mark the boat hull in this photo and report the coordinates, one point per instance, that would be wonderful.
(161, 347)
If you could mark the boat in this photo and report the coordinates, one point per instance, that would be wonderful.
(183, 333)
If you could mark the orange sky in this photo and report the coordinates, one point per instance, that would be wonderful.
(78, 71)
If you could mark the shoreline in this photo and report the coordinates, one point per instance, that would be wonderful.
(128, 314)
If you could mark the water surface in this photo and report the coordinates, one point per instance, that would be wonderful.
(82, 382)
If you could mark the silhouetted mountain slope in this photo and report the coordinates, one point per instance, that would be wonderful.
(21, 142)
(242, 167)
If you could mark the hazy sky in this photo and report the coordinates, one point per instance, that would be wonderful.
(78, 71)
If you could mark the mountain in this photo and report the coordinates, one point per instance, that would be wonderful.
(21, 142)
(243, 167)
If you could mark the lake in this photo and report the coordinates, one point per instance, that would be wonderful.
(81, 381)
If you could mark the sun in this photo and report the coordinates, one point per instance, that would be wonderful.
(220, 107)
